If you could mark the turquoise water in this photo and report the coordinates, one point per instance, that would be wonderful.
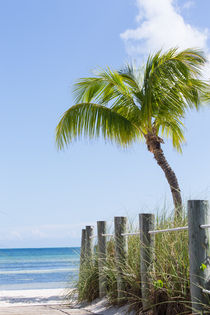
(38, 268)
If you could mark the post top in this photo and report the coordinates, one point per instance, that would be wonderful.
(197, 203)
(197, 200)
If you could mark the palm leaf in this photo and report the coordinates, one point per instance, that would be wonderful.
(124, 105)
(93, 120)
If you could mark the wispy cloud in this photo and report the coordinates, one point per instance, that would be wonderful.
(188, 4)
(160, 25)
(42, 232)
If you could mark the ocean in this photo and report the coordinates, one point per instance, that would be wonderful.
(38, 268)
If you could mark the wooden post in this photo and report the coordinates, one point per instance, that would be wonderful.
(102, 229)
(146, 224)
(120, 226)
(82, 250)
(199, 253)
(89, 243)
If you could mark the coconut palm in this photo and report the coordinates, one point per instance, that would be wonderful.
(137, 103)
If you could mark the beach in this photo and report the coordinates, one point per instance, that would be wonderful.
(52, 302)
(10, 298)
(30, 302)
(35, 280)
(43, 310)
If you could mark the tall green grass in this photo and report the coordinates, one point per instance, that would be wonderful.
(88, 285)
(169, 273)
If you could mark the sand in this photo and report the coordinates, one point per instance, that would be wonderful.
(51, 302)
(32, 297)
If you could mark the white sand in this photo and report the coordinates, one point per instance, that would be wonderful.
(40, 300)
(102, 307)
(31, 297)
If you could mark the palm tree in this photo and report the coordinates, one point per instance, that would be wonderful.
(135, 104)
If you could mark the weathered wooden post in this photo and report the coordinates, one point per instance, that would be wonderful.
(120, 227)
(146, 224)
(199, 253)
(82, 250)
(102, 229)
(89, 243)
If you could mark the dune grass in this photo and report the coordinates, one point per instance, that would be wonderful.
(169, 273)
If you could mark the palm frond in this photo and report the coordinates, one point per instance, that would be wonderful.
(172, 128)
(93, 120)
(133, 76)
(172, 83)
(124, 105)
(193, 59)
(87, 89)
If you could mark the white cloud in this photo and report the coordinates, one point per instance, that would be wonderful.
(161, 26)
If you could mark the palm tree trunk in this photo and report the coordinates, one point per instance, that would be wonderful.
(153, 144)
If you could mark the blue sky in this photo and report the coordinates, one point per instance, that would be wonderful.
(48, 196)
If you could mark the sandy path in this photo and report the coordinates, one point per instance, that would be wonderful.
(51, 302)
(31, 297)
(43, 310)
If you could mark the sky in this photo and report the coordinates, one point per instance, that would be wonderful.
(47, 196)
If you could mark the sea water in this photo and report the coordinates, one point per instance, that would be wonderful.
(38, 268)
